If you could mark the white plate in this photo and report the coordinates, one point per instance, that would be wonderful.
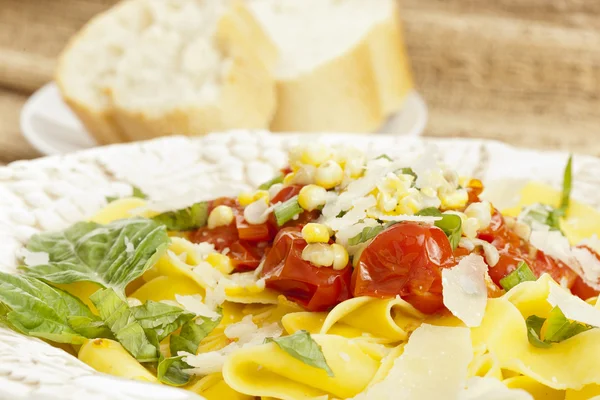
(54, 192)
(52, 128)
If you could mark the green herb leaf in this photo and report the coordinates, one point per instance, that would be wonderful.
(409, 171)
(90, 327)
(451, 224)
(534, 327)
(192, 334)
(521, 274)
(384, 156)
(137, 192)
(367, 233)
(567, 182)
(559, 328)
(162, 318)
(301, 346)
(121, 321)
(111, 255)
(287, 210)
(35, 308)
(170, 371)
(542, 214)
(186, 219)
(267, 185)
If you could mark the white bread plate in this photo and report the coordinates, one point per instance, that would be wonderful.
(51, 127)
(53, 192)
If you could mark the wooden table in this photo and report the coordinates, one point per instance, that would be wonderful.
(523, 71)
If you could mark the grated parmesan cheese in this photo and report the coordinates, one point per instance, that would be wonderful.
(31, 258)
(194, 304)
(590, 266)
(464, 290)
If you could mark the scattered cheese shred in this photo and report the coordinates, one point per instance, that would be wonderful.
(464, 290)
(31, 258)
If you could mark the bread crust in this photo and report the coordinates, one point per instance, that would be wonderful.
(354, 92)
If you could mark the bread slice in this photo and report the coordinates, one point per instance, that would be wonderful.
(343, 65)
(147, 68)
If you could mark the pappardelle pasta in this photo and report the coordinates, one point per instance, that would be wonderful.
(342, 278)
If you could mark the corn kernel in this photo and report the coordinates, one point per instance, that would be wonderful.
(315, 233)
(329, 175)
(247, 198)
(481, 211)
(409, 204)
(318, 254)
(312, 197)
(220, 216)
(340, 256)
(454, 199)
(315, 154)
(220, 262)
(257, 212)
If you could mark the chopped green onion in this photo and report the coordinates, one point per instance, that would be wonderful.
(384, 156)
(286, 211)
(559, 328)
(186, 219)
(451, 224)
(367, 233)
(566, 191)
(267, 185)
(534, 328)
(522, 274)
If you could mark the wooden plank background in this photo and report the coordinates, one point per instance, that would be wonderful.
(523, 71)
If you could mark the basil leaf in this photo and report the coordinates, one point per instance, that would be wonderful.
(559, 328)
(137, 192)
(161, 318)
(521, 274)
(534, 327)
(267, 185)
(542, 214)
(90, 327)
(301, 346)
(121, 321)
(451, 224)
(111, 255)
(192, 334)
(287, 210)
(384, 156)
(186, 219)
(367, 233)
(170, 371)
(35, 308)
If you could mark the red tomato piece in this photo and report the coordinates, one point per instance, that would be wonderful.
(286, 193)
(316, 289)
(406, 260)
(253, 233)
(582, 289)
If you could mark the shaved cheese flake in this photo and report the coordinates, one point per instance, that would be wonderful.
(194, 304)
(429, 368)
(464, 289)
(354, 215)
(590, 266)
(209, 275)
(209, 362)
(552, 243)
(479, 388)
(203, 249)
(572, 306)
(241, 330)
(33, 258)
(343, 235)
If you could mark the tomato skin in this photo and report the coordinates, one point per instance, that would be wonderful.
(253, 233)
(406, 260)
(286, 193)
(316, 289)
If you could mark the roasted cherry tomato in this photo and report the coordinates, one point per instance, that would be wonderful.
(284, 270)
(245, 255)
(582, 289)
(286, 193)
(406, 260)
(253, 233)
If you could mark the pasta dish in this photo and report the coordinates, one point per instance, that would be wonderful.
(345, 277)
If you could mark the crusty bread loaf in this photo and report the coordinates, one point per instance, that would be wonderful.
(343, 65)
(149, 68)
